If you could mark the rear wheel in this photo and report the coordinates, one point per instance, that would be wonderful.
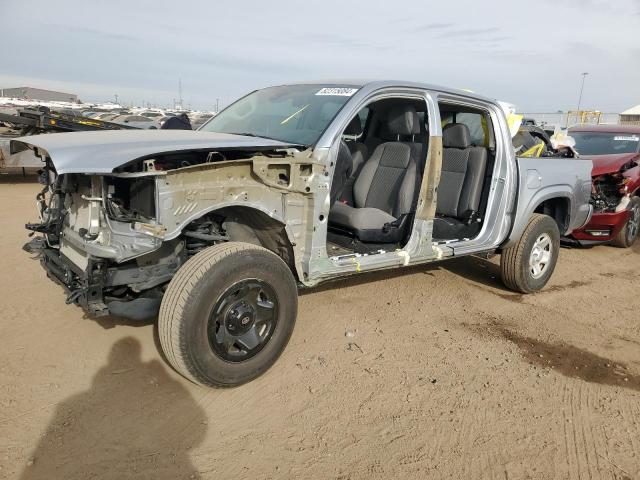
(228, 314)
(629, 233)
(527, 266)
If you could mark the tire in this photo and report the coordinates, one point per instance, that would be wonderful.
(206, 299)
(515, 262)
(629, 233)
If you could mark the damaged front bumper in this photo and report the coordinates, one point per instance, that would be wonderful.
(611, 201)
(83, 287)
(603, 227)
(96, 289)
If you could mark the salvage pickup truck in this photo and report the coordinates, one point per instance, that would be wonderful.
(215, 230)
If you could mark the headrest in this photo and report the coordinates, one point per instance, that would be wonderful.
(354, 128)
(456, 135)
(403, 120)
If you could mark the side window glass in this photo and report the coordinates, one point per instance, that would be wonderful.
(362, 116)
(474, 122)
(423, 122)
(477, 123)
(446, 118)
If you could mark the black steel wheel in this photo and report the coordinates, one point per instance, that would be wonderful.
(242, 320)
(228, 314)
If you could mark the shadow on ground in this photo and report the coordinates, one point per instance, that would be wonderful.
(569, 360)
(111, 321)
(134, 421)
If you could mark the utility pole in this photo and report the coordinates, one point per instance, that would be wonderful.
(180, 92)
(217, 105)
(584, 76)
(116, 98)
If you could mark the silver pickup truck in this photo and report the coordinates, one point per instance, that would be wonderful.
(215, 230)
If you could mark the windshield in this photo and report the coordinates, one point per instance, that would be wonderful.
(296, 114)
(604, 143)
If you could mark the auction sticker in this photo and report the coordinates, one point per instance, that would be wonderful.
(337, 91)
(627, 138)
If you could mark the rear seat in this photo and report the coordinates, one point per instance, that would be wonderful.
(460, 188)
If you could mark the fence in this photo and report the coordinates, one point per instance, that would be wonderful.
(564, 119)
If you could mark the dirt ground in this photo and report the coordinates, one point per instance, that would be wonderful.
(447, 375)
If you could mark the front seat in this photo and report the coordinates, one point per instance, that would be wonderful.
(358, 152)
(342, 173)
(385, 190)
(460, 187)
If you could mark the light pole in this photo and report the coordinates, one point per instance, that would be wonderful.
(584, 75)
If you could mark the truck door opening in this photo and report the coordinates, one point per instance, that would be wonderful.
(377, 177)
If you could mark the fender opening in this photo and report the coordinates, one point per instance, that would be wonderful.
(558, 209)
(239, 224)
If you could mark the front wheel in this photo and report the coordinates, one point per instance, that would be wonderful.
(228, 313)
(527, 266)
(629, 233)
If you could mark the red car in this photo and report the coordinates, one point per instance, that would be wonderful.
(615, 197)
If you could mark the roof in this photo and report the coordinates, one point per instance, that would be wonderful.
(38, 89)
(606, 128)
(372, 85)
(632, 111)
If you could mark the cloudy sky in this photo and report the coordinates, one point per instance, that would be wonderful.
(530, 53)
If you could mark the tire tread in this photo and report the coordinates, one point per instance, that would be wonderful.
(620, 240)
(175, 300)
(511, 258)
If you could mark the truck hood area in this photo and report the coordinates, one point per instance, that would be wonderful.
(104, 151)
(603, 164)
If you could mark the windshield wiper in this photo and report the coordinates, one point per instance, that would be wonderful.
(249, 134)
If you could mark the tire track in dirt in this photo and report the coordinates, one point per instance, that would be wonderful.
(592, 394)
(630, 412)
(372, 412)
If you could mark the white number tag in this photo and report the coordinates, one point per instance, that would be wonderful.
(337, 91)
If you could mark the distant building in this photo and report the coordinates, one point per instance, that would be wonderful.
(31, 93)
(631, 116)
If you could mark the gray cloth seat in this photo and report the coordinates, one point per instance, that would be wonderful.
(342, 172)
(385, 189)
(354, 129)
(460, 187)
(360, 218)
(358, 152)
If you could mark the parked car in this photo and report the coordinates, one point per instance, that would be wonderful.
(136, 121)
(107, 117)
(615, 153)
(153, 114)
(288, 187)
